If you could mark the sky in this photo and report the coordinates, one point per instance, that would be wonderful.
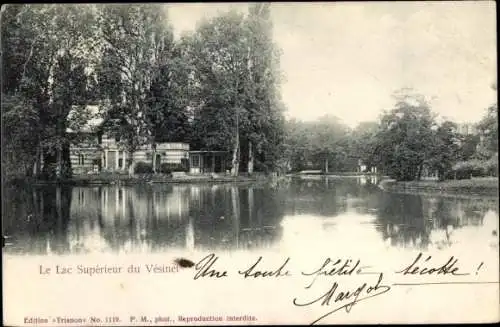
(347, 59)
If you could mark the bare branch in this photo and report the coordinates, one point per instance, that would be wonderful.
(115, 48)
(29, 57)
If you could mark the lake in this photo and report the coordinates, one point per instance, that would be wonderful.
(304, 213)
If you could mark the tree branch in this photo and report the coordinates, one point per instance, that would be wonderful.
(116, 49)
(29, 57)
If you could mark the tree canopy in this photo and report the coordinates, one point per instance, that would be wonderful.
(216, 88)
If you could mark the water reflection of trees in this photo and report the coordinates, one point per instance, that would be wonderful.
(36, 218)
(407, 220)
(62, 219)
(327, 196)
(402, 220)
(236, 217)
(143, 217)
(149, 217)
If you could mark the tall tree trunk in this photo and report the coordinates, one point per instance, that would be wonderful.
(35, 168)
(236, 148)
(250, 158)
(36, 205)
(59, 162)
(42, 161)
(132, 163)
(235, 161)
(154, 158)
(36, 164)
(59, 206)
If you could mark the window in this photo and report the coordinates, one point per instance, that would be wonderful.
(81, 159)
(120, 162)
(195, 160)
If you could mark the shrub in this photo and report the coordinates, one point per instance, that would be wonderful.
(474, 168)
(461, 170)
(164, 169)
(261, 167)
(143, 168)
(491, 166)
(167, 168)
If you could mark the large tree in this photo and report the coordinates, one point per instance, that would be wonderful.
(488, 129)
(136, 44)
(219, 56)
(320, 144)
(170, 97)
(444, 151)
(362, 141)
(44, 48)
(263, 129)
(328, 142)
(236, 86)
(404, 142)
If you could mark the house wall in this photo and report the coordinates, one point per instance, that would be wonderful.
(169, 152)
(111, 156)
(84, 160)
(200, 163)
(173, 152)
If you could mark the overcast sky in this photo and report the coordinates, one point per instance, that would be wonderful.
(346, 59)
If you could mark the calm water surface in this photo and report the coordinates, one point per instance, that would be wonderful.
(155, 218)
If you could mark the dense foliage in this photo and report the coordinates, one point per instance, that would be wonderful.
(407, 143)
(216, 88)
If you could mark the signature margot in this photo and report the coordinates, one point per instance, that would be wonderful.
(341, 298)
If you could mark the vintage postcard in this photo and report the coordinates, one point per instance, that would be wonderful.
(249, 163)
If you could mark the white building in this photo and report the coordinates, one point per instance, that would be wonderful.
(99, 151)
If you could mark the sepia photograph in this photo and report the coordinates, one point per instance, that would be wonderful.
(172, 164)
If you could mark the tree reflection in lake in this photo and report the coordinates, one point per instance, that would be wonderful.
(408, 220)
(36, 219)
(141, 218)
(145, 218)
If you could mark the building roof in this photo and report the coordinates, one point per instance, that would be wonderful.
(84, 119)
(207, 151)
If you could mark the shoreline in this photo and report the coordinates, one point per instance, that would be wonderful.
(465, 187)
(335, 174)
(143, 180)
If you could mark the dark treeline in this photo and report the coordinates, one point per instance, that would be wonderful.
(406, 143)
(216, 88)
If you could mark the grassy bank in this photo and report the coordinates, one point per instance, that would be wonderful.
(125, 179)
(340, 173)
(475, 186)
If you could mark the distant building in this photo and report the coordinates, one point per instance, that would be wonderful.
(99, 151)
(363, 168)
(467, 129)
